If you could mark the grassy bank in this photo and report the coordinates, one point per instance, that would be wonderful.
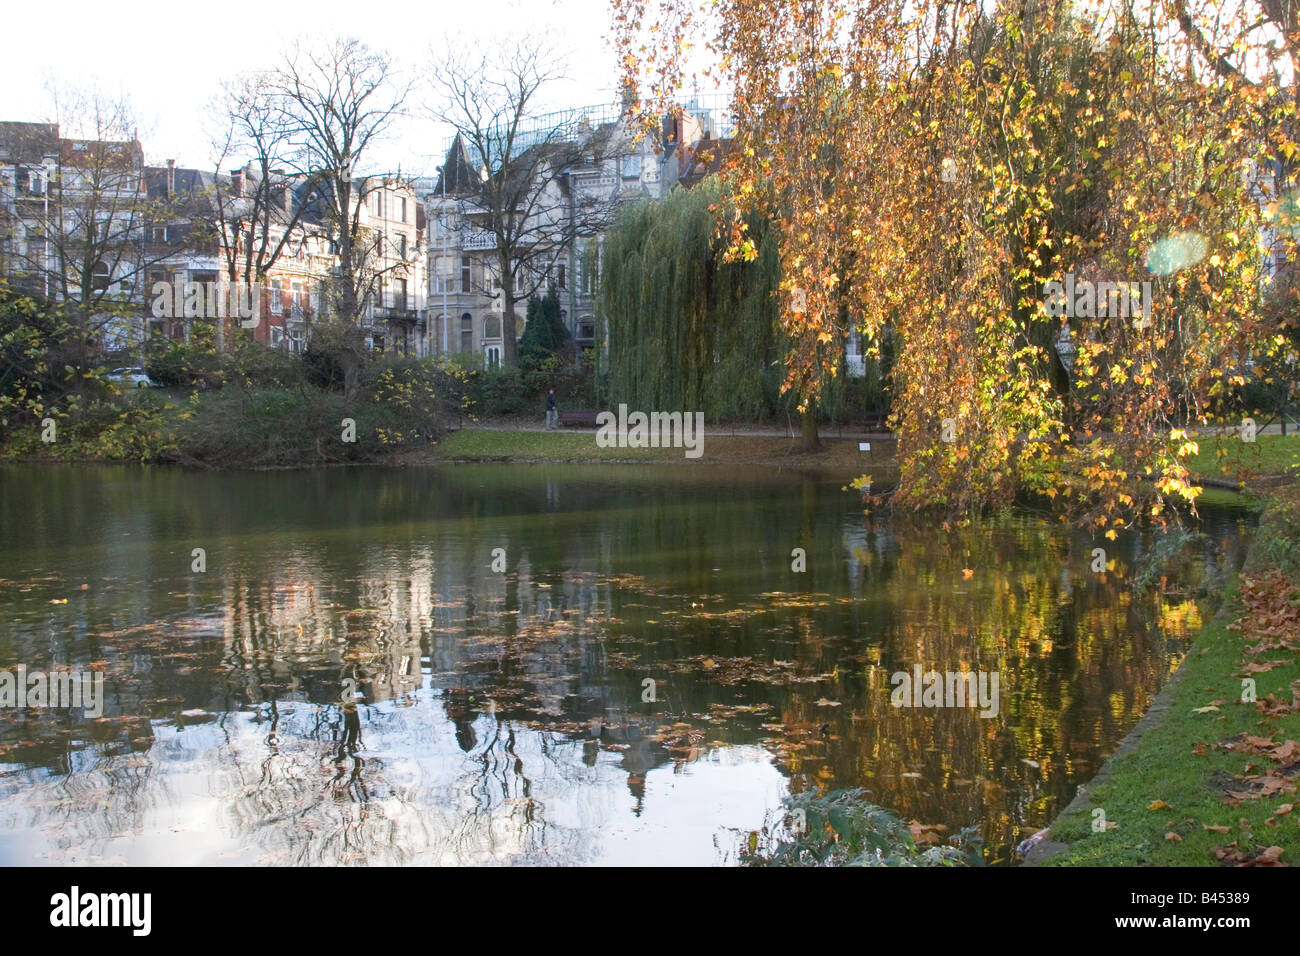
(1209, 778)
(838, 455)
(1236, 460)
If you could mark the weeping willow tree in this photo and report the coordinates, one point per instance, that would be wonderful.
(687, 329)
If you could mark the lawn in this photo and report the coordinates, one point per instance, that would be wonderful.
(1232, 458)
(838, 455)
(1215, 779)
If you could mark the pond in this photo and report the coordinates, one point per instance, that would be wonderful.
(558, 664)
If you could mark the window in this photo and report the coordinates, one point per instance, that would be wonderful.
(467, 333)
(160, 234)
(401, 208)
(493, 353)
(399, 294)
(401, 245)
(275, 288)
(296, 300)
(379, 204)
(492, 327)
(631, 167)
(99, 277)
(560, 276)
(466, 285)
(586, 329)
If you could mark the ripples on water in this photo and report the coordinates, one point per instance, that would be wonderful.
(350, 682)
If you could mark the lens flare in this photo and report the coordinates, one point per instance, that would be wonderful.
(1181, 250)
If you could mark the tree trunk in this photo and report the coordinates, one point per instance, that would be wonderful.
(808, 420)
(509, 339)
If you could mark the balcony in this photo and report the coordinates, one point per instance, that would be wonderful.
(397, 312)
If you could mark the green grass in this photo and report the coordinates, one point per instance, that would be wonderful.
(840, 456)
(487, 445)
(1231, 458)
(1192, 786)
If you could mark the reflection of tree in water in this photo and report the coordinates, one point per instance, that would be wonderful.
(80, 810)
(500, 717)
(1080, 657)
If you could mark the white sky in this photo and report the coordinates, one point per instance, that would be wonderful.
(168, 59)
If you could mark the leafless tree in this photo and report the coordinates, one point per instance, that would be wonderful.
(515, 189)
(250, 222)
(85, 207)
(333, 103)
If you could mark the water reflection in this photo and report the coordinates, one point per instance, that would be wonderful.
(351, 682)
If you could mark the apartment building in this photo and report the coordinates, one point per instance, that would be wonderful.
(229, 229)
(72, 215)
(606, 164)
(393, 217)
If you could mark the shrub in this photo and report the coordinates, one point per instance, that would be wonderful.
(500, 391)
(185, 365)
(544, 333)
(335, 357)
(253, 365)
(842, 828)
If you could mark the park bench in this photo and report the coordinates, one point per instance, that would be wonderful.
(585, 417)
(876, 422)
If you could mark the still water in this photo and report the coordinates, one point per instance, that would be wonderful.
(349, 679)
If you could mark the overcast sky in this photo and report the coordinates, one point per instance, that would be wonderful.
(168, 58)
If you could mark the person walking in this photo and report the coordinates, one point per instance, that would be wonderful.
(552, 416)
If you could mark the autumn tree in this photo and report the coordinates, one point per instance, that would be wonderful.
(931, 167)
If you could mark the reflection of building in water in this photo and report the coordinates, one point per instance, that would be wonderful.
(866, 542)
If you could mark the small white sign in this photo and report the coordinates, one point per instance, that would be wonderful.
(864, 446)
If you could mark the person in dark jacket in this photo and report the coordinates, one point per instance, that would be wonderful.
(552, 416)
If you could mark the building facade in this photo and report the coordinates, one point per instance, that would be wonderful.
(611, 165)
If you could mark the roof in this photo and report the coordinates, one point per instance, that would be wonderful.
(702, 160)
(458, 175)
(28, 142)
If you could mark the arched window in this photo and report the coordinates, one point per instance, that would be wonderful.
(99, 277)
(492, 327)
(467, 333)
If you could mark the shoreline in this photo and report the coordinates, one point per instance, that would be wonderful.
(1172, 792)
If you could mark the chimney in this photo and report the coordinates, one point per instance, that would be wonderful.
(171, 177)
(237, 184)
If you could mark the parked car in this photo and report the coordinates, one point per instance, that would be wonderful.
(131, 377)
